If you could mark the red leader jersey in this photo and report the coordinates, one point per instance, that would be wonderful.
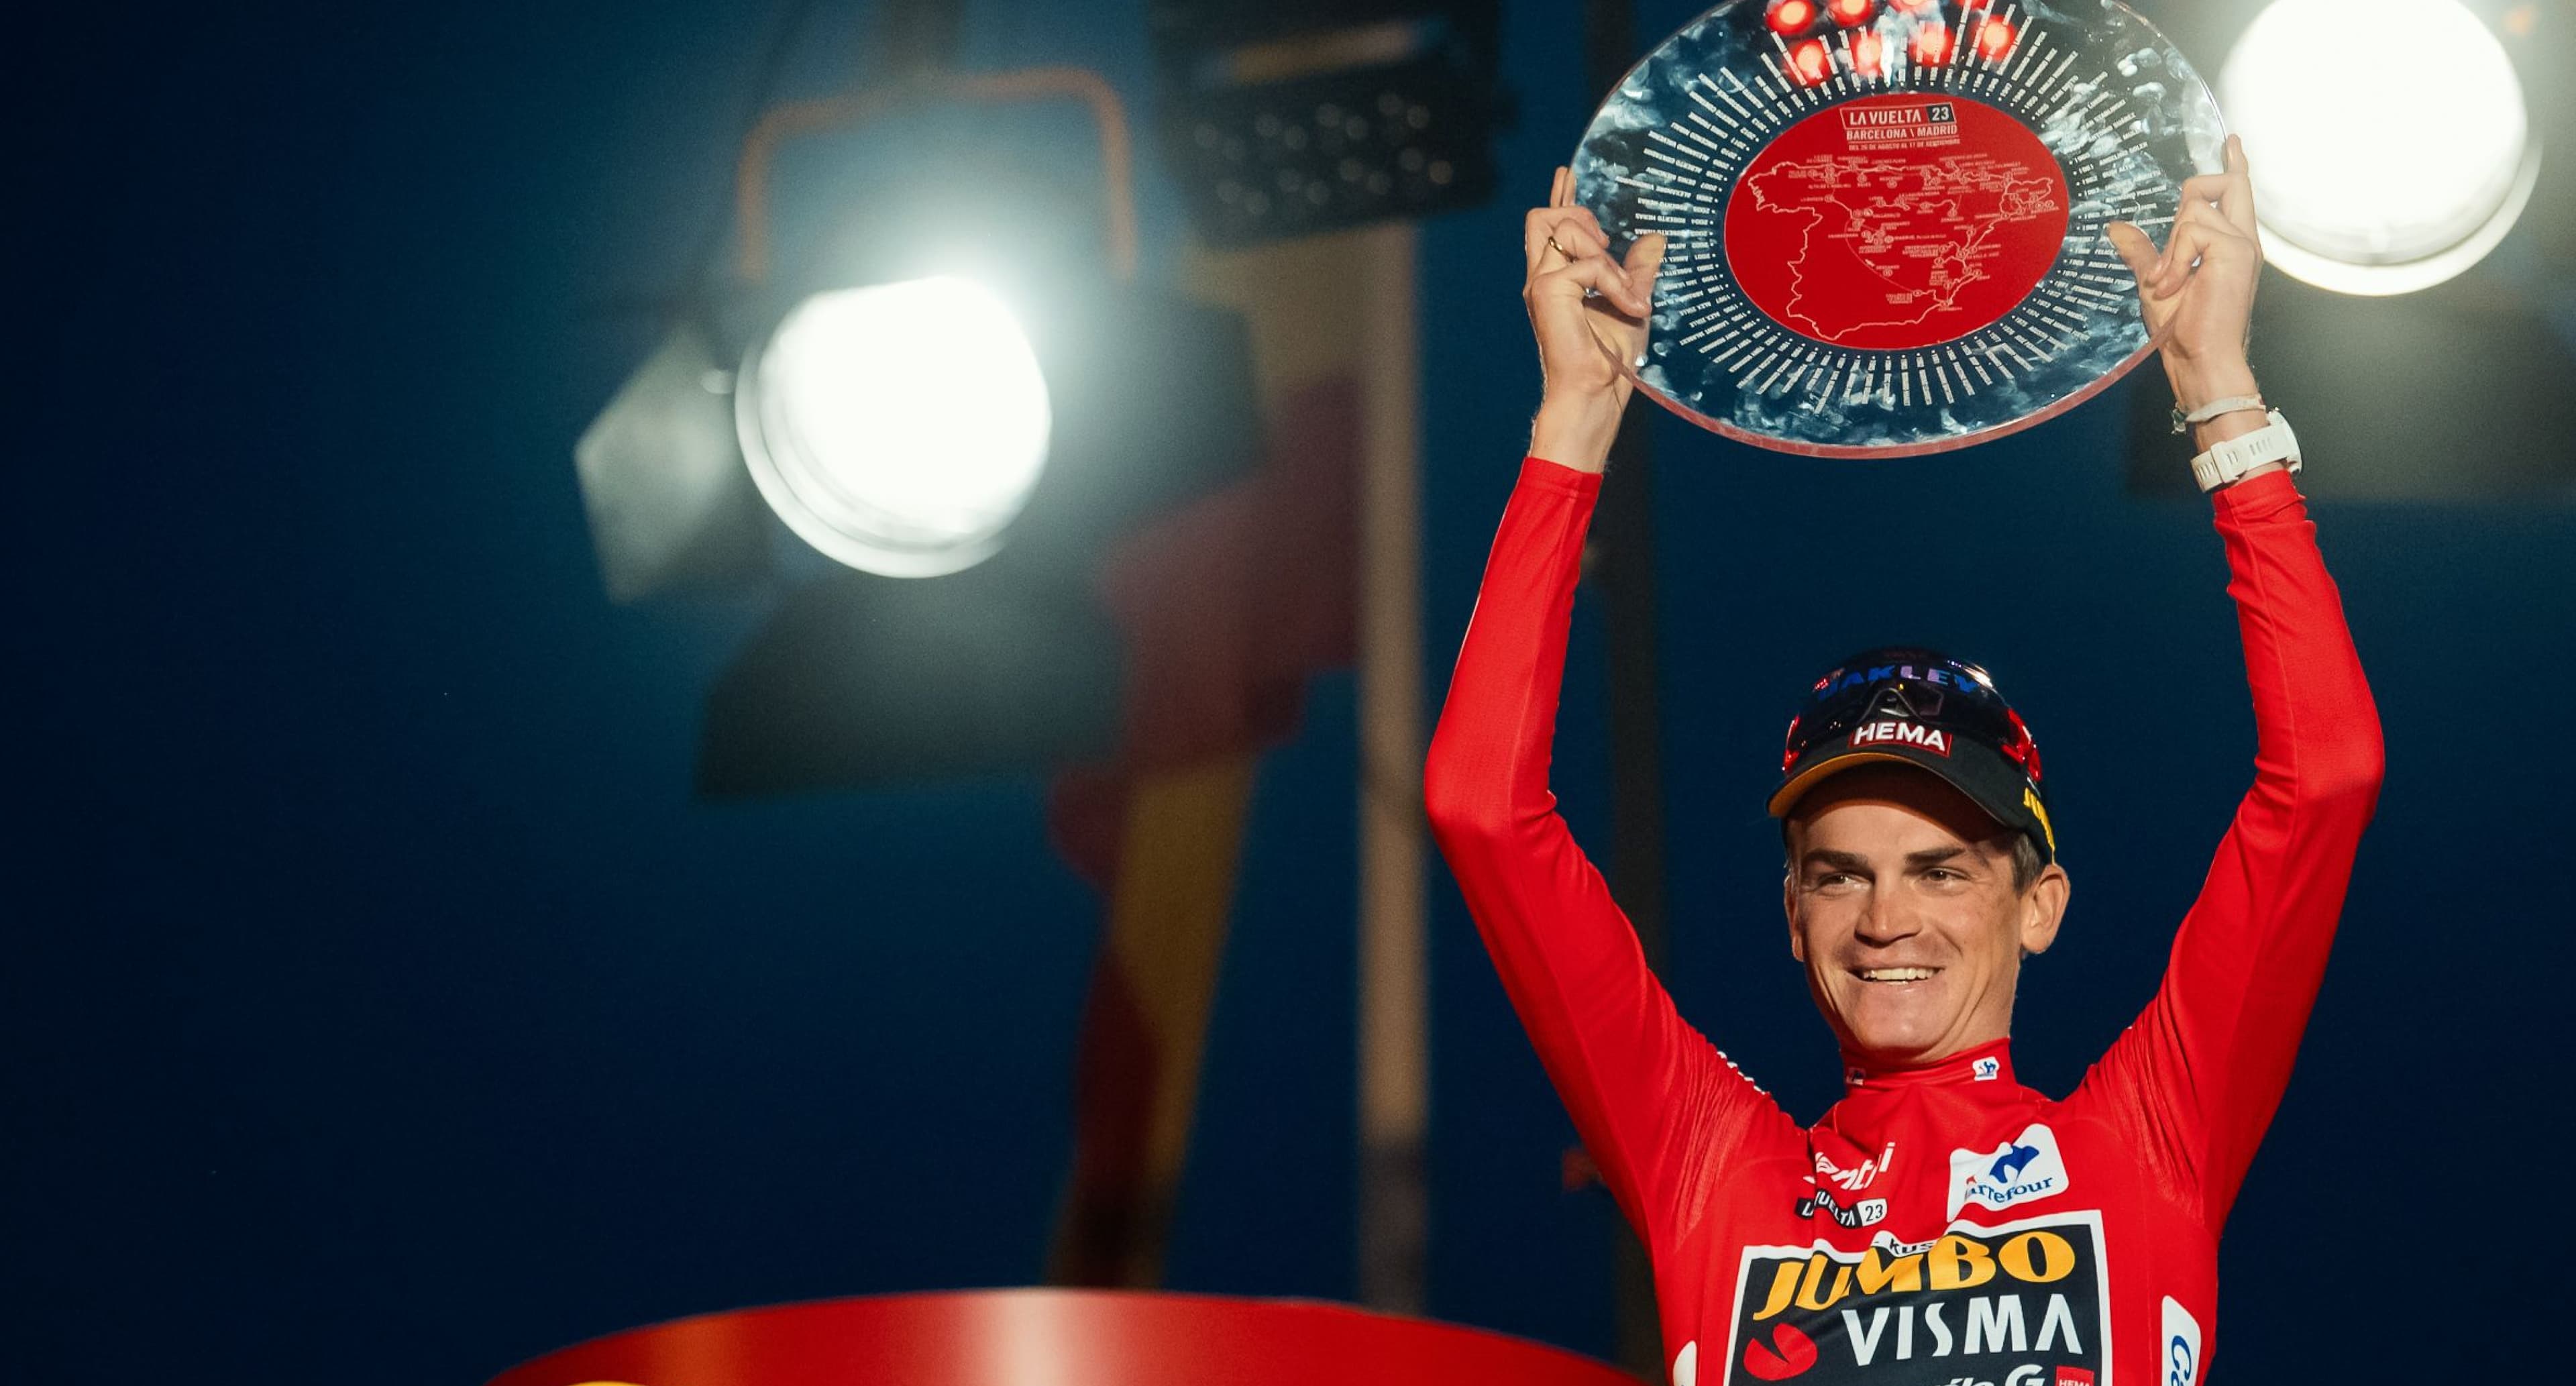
(1944, 1225)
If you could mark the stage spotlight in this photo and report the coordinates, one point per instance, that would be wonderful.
(1013, 663)
(2391, 139)
(897, 428)
(999, 412)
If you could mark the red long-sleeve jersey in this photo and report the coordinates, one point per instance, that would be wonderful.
(1941, 1225)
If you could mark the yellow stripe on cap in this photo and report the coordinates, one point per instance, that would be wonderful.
(2030, 800)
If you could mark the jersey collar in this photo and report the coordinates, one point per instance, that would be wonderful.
(1987, 1063)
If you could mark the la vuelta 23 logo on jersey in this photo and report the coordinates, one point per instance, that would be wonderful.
(2021, 1304)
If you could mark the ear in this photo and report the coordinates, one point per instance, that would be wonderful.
(1789, 911)
(2043, 907)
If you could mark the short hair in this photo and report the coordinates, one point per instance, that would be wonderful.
(2026, 862)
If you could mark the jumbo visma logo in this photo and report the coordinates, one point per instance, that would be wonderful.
(2021, 1303)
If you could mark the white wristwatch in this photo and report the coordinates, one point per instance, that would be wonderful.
(2231, 458)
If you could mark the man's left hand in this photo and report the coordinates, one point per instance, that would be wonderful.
(2197, 293)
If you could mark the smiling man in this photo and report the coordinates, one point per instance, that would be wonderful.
(1941, 1223)
(1924, 869)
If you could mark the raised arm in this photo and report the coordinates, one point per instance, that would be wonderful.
(2207, 1062)
(2205, 1066)
(1643, 1087)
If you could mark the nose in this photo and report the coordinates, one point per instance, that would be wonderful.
(1886, 921)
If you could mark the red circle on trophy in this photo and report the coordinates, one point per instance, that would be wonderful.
(1896, 222)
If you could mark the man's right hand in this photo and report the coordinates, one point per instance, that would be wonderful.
(1584, 338)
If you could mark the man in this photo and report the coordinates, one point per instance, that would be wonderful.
(1942, 1223)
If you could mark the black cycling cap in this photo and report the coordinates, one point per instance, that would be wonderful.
(1919, 707)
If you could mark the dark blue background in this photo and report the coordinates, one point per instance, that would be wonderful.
(377, 1002)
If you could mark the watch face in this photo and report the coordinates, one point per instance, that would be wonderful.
(1885, 216)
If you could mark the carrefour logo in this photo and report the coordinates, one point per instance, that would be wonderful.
(2020, 1169)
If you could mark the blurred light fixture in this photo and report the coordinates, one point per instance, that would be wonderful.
(2432, 364)
(897, 428)
(662, 478)
(1289, 120)
(968, 451)
(1011, 663)
(2392, 139)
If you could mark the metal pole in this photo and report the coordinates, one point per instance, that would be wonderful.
(1623, 571)
(1394, 1001)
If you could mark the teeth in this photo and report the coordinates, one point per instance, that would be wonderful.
(1897, 974)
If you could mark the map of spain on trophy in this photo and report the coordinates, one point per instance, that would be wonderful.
(1837, 235)
(1886, 215)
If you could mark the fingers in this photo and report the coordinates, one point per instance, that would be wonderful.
(1645, 259)
(1560, 206)
(2241, 211)
(2208, 188)
(2135, 249)
(2213, 240)
(1566, 239)
(2182, 253)
(2138, 251)
(1598, 274)
(1582, 220)
(1574, 229)
(2201, 233)
(2219, 203)
(2232, 191)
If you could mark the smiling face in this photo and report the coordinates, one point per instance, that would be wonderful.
(1902, 905)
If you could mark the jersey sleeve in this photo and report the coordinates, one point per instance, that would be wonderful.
(2203, 1069)
(1656, 1105)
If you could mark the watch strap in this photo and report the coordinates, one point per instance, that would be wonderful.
(2230, 458)
(2226, 404)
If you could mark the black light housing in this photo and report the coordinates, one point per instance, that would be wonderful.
(1285, 121)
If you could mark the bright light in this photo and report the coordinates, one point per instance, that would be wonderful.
(2390, 144)
(896, 428)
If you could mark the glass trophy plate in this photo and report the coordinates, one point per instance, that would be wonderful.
(1885, 217)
